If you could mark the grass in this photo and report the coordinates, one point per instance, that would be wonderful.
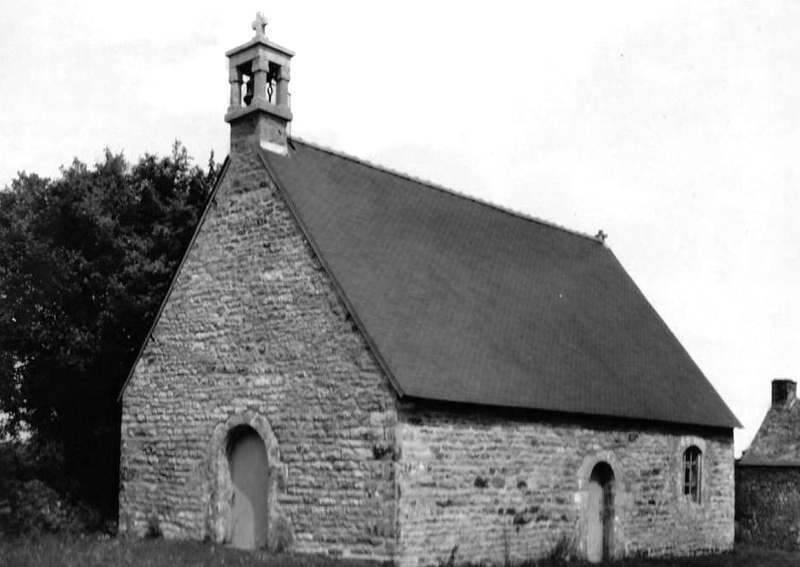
(71, 551)
(91, 551)
(740, 557)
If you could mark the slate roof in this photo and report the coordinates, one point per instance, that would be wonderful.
(777, 442)
(462, 301)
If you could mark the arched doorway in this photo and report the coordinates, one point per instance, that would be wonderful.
(249, 470)
(600, 514)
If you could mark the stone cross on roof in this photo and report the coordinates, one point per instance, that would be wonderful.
(260, 24)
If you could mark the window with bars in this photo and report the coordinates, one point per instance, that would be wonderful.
(692, 468)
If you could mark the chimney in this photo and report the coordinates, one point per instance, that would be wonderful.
(784, 393)
(259, 114)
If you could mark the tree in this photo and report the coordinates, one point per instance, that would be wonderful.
(85, 261)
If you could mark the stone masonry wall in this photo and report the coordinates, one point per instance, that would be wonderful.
(768, 506)
(254, 334)
(498, 488)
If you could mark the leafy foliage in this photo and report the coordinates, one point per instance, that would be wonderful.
(85, 260)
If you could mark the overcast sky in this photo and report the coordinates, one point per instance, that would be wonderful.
(673, 126)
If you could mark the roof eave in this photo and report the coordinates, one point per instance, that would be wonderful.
(567, 415)
(596, 415)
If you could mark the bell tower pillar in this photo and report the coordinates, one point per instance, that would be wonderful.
(258, 112)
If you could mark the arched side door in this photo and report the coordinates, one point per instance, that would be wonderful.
(600, 514)
(247, 460)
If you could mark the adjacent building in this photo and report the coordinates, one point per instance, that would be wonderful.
(768, 475)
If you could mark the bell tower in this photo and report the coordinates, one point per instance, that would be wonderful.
(258, 72)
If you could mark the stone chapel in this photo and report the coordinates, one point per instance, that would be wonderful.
(354, 362)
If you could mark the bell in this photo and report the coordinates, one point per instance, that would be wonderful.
(248, 97)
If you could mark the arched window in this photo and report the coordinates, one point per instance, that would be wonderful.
(692, 468)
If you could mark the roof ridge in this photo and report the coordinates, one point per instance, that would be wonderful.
(448, 190)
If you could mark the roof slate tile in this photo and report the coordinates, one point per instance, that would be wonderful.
(467, 302)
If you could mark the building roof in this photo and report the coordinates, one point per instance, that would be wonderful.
(466, 302)
(777, 442)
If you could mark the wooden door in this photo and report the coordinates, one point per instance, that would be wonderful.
(600, 514)
(594, 525)
(249, 475)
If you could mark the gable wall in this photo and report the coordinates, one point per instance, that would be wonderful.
(503, 488)
(255, 334)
